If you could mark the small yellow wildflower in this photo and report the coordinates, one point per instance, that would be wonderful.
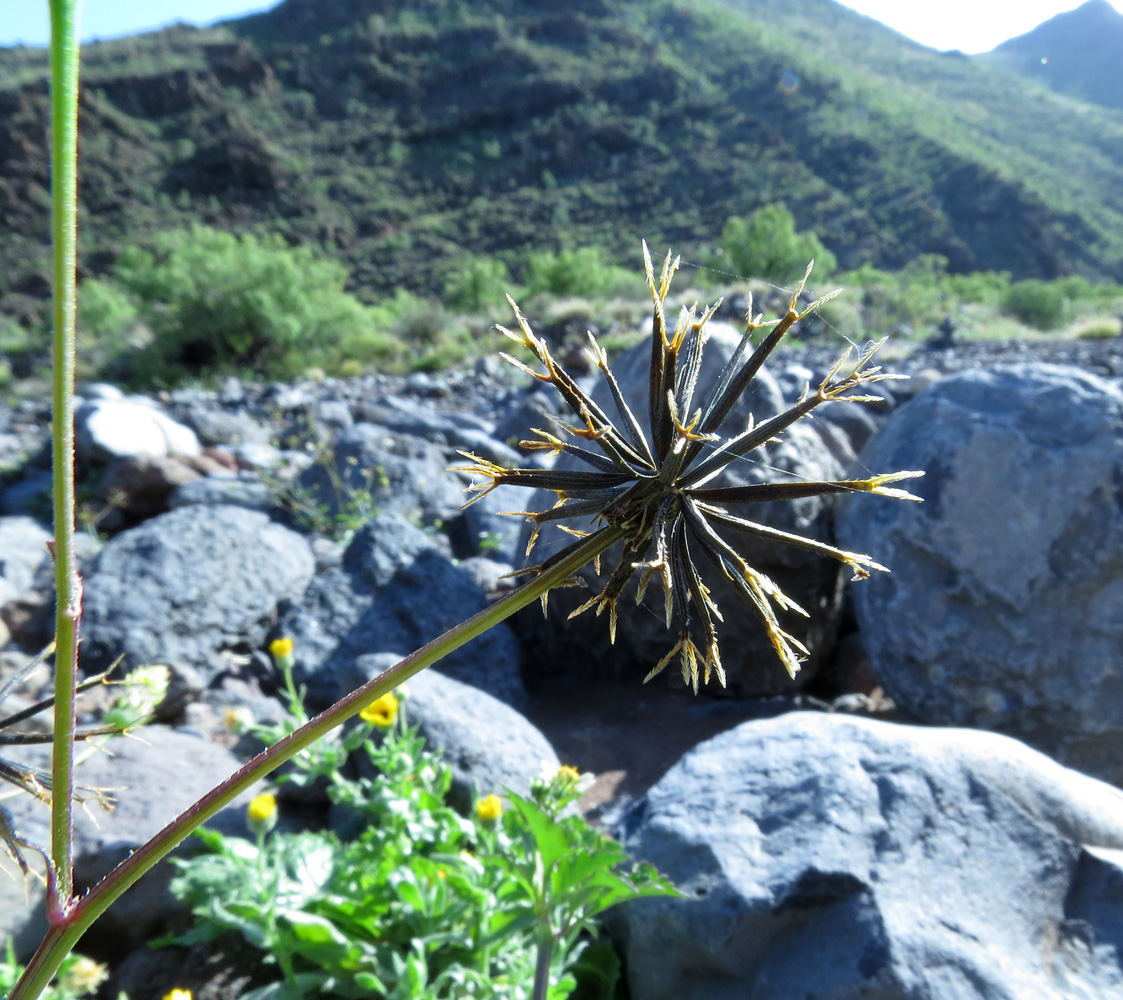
(261, 814)
(178, 994)
(280, 647)
(237, 720)
(568, 774)
(381, 712)
(84, 976)
(281, 651)
(489, 809)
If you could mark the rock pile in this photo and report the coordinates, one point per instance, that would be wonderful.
(821, 853)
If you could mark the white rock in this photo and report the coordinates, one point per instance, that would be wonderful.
(130, 428)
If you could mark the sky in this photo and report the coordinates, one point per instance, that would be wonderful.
(970, 25)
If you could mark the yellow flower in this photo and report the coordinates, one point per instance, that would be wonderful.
(84, 976)
(489, 809)
(381, 712)
(261, 814)
(178, 994)
(280, 647)
(568, 774)
(237, 720)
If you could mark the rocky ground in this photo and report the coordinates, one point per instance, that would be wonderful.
(323, 511)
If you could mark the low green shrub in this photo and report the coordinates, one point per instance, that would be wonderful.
(766, 245)
(1036, 303)
(218, 303)
(585, 272)
(1098, 328)
(421, 903)
(478, 285)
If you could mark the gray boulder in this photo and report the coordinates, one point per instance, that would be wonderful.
(836, 858)
(23, 551)
(244, 490)
(1004, 609)
(487, 528)
(373, 467)
(153, 778)
(559, 646)
(488, 745)
(191, 586)
(395, 590)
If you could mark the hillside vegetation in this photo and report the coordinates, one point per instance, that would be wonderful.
(441, 148)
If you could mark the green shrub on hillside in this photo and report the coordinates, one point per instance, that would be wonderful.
(480, 283)
(108, 323)
(585, 273)
(216, 303)
(918, 296)
(1040, 304)
(766, 245)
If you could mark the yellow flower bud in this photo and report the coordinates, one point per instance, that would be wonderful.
(489, 809)
(178, 994)
(281, 647)
(261, 814)
(381, 712)
(568, 774)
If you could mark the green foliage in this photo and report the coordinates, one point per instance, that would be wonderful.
(479, 284)
(916, 298)
(354, 502)
(1099, 328)
(1040, 304)
(884, 149)
(218, 303)
(766, 245)
(109, 323)
(585, 272)
(422, 903)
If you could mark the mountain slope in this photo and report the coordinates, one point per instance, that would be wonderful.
(1079, 53)
(405, 137)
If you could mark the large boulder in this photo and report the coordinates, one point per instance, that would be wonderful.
(372, 468)
(558, 646)
(396, 590)
(1004, 608)
(23, 551)
(191, 586)
(833, 857)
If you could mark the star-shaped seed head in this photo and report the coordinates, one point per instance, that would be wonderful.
(648, 484)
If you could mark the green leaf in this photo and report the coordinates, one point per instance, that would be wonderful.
(549, 837)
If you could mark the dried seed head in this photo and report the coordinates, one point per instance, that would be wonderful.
(648, 482)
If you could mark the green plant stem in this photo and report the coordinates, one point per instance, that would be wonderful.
(64, 934)
(542, 963)
(68, 586)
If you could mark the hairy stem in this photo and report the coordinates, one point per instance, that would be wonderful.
(68, 586)
(63, 935)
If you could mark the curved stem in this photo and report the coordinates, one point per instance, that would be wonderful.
(68, 586)
(86, 910)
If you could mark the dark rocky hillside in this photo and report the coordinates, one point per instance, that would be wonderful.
(404, 137)
(1079, 53)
